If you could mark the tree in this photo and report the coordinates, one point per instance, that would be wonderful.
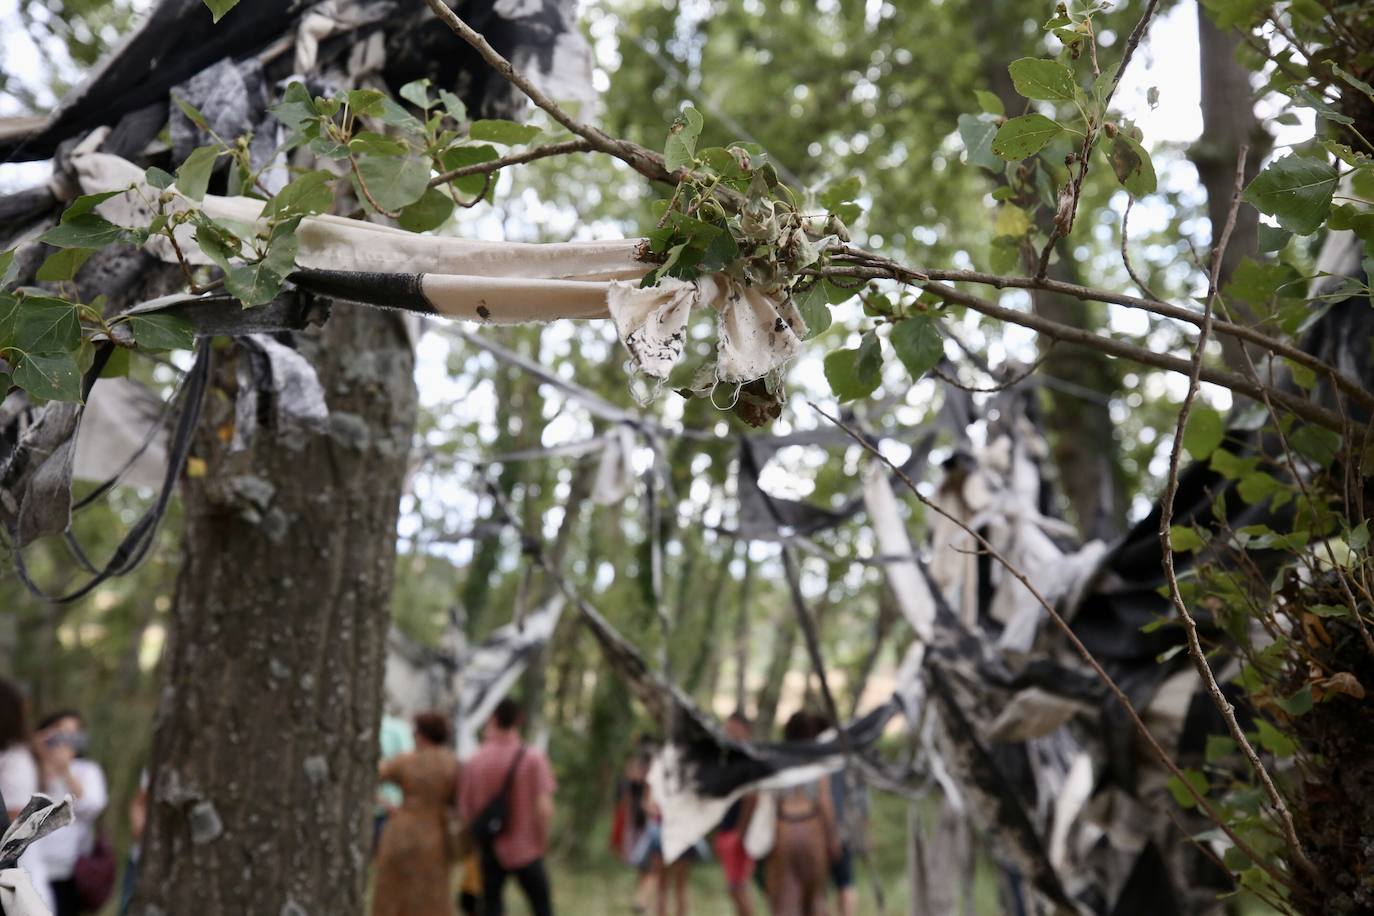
(265, 746)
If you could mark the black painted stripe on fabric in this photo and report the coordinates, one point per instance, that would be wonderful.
(387, 290)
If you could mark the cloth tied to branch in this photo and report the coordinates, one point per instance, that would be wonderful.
(490, 282)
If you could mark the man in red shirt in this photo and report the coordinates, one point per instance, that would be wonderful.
(519, 849)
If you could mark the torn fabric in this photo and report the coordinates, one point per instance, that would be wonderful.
(489, 282)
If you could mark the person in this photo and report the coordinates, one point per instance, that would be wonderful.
(395, 737)
(19, 775)
(518, 850)
(729, 839)
(806, 840)
(413, 858)
(670, 879)
(631, 821)
(847, 822)
(61, 744)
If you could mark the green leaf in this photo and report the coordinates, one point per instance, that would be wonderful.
(63, 265)
(1046, 80)
(815, 310)
(46, 325)
(117, 366)
(1132, 165)
(461, 156)
(417, 94)
(192, 113)
(252, 284)
(89, 230)
(365, 102)
(1204, 433)
(1275, 741)
(1295, 191)
(431, 211)
(394, 183)
(218, 243)
(50, 376)
(7, 268)
(841, 191)
(453, 105)
(162, 332)
(990, 102)
(219, 7)
(977, 135)
(296, 106)
(1180, 791)
(1306, 98)
(916, 341)
(193, 176)
(1219, 747)
(159, 178)
(1358, 538)
(1316, 443)
(87, 202)
(310, 193)
(1184, 539)
(1024, 136)
(1011, 222)
(507, 133)
(855, 373)
(1297, 704)
(1328, 610)
(681, 147)
(1272, 238)
(1351, 80)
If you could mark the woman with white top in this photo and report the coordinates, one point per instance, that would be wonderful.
(61, 741)
(19, 775)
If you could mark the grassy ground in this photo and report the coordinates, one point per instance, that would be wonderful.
(605, 886)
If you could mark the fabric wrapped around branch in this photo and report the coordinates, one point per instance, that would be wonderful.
(491, 282)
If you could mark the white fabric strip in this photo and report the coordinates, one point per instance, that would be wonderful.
(497, 282)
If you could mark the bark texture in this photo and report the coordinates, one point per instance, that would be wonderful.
(265, 744)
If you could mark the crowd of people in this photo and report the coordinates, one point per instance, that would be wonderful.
(794, 846)
(489, 817)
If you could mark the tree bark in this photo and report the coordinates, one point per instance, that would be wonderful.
(265, 741)
(1228, 122)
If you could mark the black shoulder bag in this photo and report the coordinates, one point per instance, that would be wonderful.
(493, 819)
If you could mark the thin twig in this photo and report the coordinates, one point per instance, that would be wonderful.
(642, 160)
(529, 155)
(878, 267)
(1090, 138)
(1195, 650)
(1141, 728)
(1126, 253)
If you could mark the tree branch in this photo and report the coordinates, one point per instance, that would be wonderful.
(1166, 516)
(651, 165)
(529, 155)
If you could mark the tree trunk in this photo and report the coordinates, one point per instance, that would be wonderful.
(784, 644)
(1228, 121)
(265, 742)
(1079, 410)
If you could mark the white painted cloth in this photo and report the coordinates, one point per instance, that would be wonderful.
(18, 896)
(494, 282)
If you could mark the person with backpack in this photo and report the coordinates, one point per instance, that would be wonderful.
(506, 799)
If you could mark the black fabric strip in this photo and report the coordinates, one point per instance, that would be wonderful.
(397, 291)
(136, 544)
